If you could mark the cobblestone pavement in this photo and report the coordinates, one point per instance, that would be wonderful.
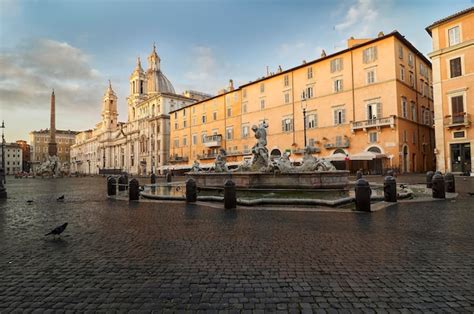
(116, 256)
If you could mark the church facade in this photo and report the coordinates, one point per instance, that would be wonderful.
(141, 144)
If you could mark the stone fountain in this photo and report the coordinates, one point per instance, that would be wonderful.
(263, 173)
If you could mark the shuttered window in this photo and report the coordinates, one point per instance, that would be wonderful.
(339, 116)
(457, 107)
(455, 67)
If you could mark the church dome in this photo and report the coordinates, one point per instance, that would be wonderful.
(158, 82)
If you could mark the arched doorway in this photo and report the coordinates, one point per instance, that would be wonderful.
(375, 165)
(374, 149)
(275, 153)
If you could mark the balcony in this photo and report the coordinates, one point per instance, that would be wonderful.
(177, 159)
(373, 123)
(213, 140)
(342, 143)
(462, 119)
(300, 151)
(206, 156)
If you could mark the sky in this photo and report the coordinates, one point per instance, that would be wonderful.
(76, 46)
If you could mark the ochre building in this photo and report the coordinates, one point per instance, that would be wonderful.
(368, 106)
(453, 84)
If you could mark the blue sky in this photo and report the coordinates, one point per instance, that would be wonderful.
(75, 46)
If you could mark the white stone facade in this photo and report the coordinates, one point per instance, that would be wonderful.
(13, 158)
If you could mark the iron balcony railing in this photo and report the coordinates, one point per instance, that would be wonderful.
(176, 158)
(458, 119)
(207, 156)
(338, 144)
(373, 123)
(212, 140)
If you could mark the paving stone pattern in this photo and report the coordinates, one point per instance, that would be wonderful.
(116, 256)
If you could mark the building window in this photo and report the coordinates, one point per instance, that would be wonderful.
(185, 141)
(454, 36)
(203, 138)
(374, 111)
(245, 131)
(336, 65)
(373, 137)
(176, 125)
(369, 55)
(413, 111)
(414, 137)
(457, 108)
(203, 118)
(404, 107)
(286, 81)
(229, 133)
(262, 104)
(459, 134)
(400, 52)
(412, 80)
(309, 74)
(287, 98)
(287, 125)
(194, 139)
(337, 85)
(308, 92)
(371, 76)
(176, 143)
(244, 93)
(455, 67)
(244, 107)
(184, 123)
(184, 112)
(402, 73)
(312, 121)
(214, 115)
(339, 116)
(262, 87)
(410, 59)
(229, 111)
(176, 115)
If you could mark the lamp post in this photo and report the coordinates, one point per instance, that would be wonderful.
(4, 173)
(89, 163)
(303, 106)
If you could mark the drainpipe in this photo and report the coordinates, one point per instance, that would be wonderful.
(417, 104)
(293, 107)
(353, 92)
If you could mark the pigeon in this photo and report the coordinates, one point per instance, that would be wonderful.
(470, 193)
(29, 202)
(58, 230)
(403, 186)
(61, 198)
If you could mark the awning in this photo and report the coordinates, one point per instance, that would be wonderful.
(367, 156)
(336, 157)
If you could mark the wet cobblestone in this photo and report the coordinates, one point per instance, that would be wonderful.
(142, 257)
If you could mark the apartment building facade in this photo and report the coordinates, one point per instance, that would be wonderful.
(453, 84)
(368, 106)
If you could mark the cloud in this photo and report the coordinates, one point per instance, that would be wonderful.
(359, 18)
(32, 69)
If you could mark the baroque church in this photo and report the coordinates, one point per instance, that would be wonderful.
(141, 145)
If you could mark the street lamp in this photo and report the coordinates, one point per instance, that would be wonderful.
(4, 174)
(303, 106)
(89, 162)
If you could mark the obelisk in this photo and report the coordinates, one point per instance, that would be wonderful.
(52, 147)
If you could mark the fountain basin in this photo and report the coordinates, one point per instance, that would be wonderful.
(337, 179)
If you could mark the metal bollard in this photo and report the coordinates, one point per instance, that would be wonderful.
(449, 182)
(390, 173)
(111, 186)
(438, 186)
(362, 195)
(390, 189)
(429, 179)
(168, 177)
(153, 178)
(122, 181)
(191, 191)
(230, 195)
(3, 191)
(358, 175)
(133, 190)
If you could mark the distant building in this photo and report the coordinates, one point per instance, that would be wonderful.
(39, 144)
(25, 149)
(13, 158)
(140, 145)
(453, 86)
(196, 95)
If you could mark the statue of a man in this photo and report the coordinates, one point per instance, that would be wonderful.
(259, 150)
(220, 165)
(195, 167)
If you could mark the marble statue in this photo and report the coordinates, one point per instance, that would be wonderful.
(196, 167)
(283, 164)
(220, 163)
(51, 167)
(259, 150)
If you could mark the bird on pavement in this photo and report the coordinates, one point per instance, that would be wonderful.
(403, 186)
(61, 198)
(29, 202)
(57, 230)
(470, 193)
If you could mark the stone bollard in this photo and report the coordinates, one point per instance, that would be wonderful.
(438, 186)
(230, 195)
(358, 175)
(3, 191)
(390, 173)
(191, 191)
(390, 189)
(122, 181)
(168, 177)
(438, 172)
(111, 186)
(133, 190)
(362, 195)
(429, 179)
(153, 178)
(449, 182)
